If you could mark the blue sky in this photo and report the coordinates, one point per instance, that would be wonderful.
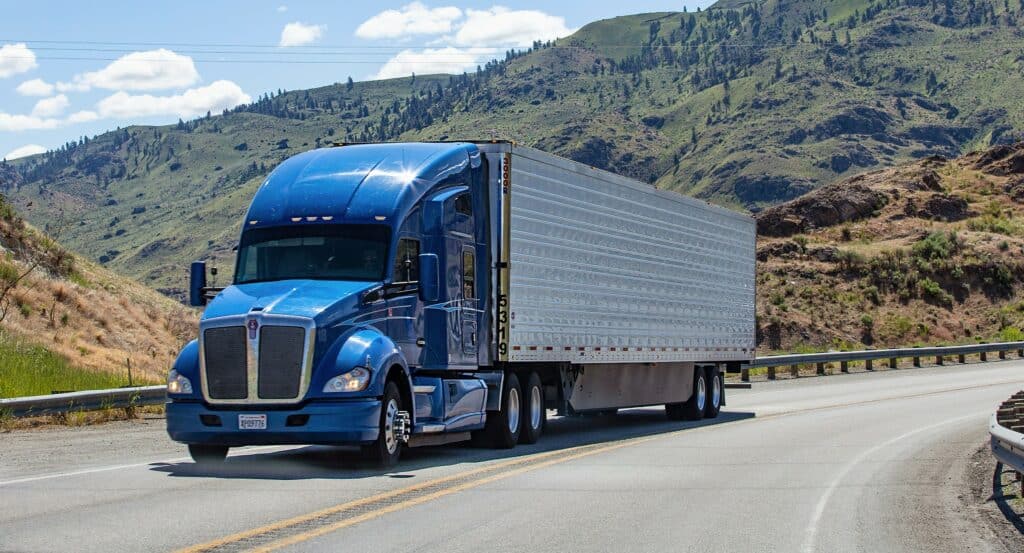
(69, 69)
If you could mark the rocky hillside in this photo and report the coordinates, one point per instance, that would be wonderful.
(929, 252)
(747, 104)
(94, 319)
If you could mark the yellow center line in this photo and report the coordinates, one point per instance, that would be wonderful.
(530, 462)
(363, 501)
(327, 529)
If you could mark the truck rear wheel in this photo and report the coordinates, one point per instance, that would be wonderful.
(534, 413)
(207, 454)
(693, 408)
(714, 401)
(388, 448)
(503, 427)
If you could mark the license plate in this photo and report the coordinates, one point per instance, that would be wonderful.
(252, 422)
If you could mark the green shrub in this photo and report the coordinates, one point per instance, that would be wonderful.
(801, 241)
(867, 321)
(1011, 334)
(931, 290)
(936, 246)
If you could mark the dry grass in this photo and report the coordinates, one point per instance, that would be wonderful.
(94, 318)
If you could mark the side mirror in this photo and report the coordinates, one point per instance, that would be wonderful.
(197, 281)
(430, 277)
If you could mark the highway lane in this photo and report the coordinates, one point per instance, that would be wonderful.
(847, 463)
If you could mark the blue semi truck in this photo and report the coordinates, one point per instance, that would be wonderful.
(404, 294)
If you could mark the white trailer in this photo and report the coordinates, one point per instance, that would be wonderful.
(624, 288)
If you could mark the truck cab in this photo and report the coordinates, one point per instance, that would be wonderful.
(356, 313)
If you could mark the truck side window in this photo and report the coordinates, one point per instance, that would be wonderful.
(468, 275)
(463, 205)
(407, 261)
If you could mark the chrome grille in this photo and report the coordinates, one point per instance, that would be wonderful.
(280, 361)
(225, 358)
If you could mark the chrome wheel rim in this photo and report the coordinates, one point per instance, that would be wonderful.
(390, 440)
(513, 410)
(535, 407)
(702, 394)
(716, 392)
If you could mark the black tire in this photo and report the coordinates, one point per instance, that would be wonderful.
(534, 414)
(204, 454)
(499, 432)
(693, 408)
(715, 393)
(385, 452)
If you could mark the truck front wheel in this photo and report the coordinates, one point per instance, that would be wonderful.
(207, 454)
(385, 451)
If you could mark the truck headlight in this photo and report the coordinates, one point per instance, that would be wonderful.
(177, 384)
(355, 380)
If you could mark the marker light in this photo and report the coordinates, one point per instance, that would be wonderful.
(177, 384)
(355, 380)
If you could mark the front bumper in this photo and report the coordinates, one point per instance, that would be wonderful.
(329, 423)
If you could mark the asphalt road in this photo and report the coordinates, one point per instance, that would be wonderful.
(866, 462)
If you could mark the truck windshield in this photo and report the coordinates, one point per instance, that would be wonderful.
(323, 252)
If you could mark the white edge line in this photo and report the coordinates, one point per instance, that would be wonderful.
(68, 474)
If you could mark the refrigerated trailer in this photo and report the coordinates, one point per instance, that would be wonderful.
(402, 294)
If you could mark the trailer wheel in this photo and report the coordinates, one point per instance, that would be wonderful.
(693, 408)
(714, 401)
(386, 450)
(534, 413)
(503, 427)
(207, 454)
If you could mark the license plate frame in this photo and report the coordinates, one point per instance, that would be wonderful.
(252, 422)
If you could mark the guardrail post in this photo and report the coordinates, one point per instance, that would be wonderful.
(962, 359)
(820, 370)
(771, 373)
(917, 361)
(1002, 354)
(794, 371)
(844, 366)
(745, 374)
(894, 363)
(939, 360)
(868, 365)
(984, 356)
(1020, 353)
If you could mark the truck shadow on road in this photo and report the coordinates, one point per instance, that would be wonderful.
(562, 433)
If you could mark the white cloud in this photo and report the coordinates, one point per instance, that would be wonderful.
(51, 107)
(194, 102)
(35, 87)
(299, 34)
(83, 116)
(282, 9)
(24, 151)
(433, 60)
(412, 19)
(500, 26)
(11, 122)
(148, 70)
(16, 58)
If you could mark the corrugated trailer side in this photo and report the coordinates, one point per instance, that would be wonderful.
(605, 269)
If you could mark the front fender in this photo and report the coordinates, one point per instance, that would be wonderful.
(365, 347)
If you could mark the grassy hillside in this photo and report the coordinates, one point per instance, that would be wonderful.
(67, 323)
(745, 104)
(929, 252)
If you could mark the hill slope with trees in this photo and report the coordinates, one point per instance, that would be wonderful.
(744, 104)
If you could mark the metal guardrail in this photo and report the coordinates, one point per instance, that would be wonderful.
(84, 401)
(155, 395)
(819, 360)
(1005, 429)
